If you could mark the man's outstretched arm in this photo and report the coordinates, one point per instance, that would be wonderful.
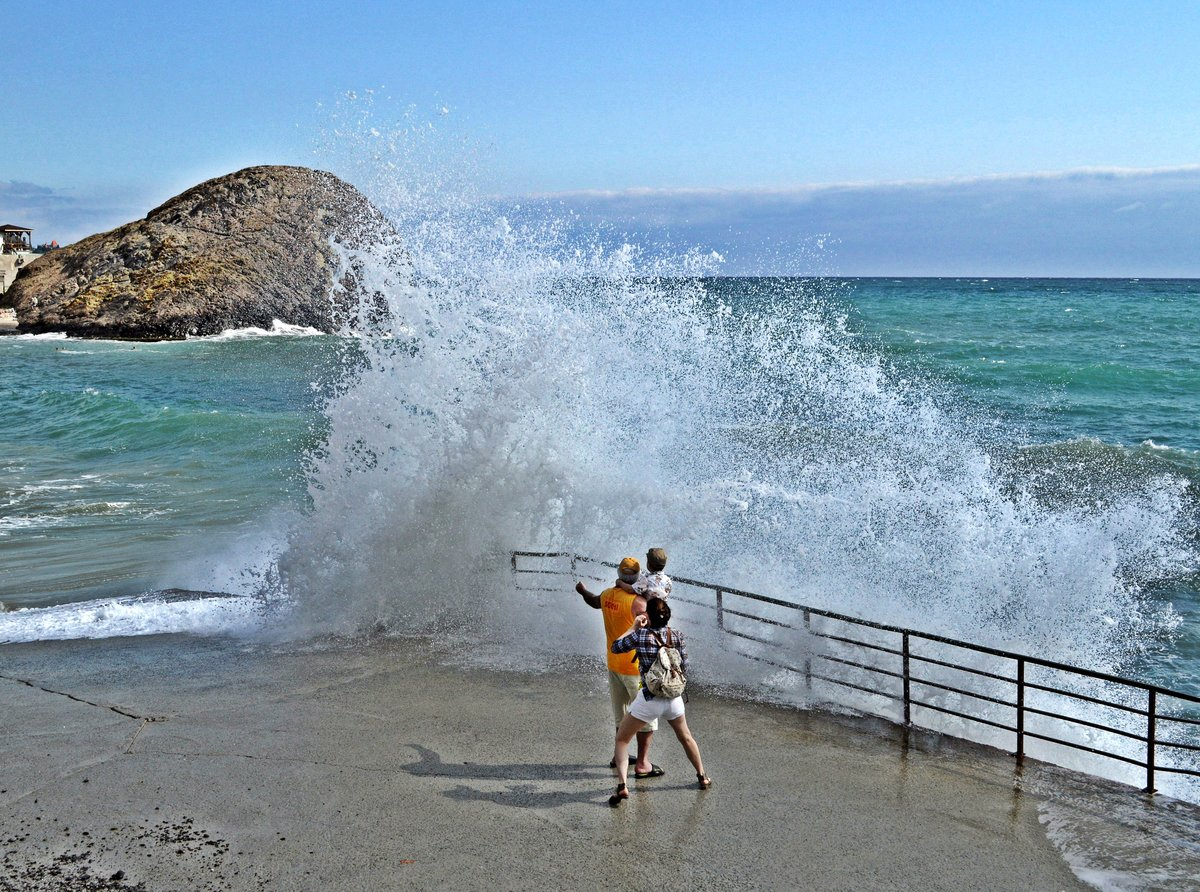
(592, 600)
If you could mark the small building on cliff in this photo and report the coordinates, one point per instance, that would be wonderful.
(15, 239)
(16, 249)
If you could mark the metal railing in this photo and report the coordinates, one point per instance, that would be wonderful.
(1001, 692)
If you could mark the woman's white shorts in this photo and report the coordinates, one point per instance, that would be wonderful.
(655, 708)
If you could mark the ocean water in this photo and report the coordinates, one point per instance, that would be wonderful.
(1092, 388)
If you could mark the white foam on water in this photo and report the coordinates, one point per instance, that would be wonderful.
(51, 336)
(59, 502)
(278, 329)
(1163, 447)
(139, 615)
(1122, 844)
(14, 522)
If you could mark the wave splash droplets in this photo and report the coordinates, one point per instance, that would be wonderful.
(515, 386)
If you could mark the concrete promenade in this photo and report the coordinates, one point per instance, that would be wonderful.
(175, 763)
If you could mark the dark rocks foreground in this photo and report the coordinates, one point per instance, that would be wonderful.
(240, 250)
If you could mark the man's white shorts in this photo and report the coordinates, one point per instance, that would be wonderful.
(656, 708)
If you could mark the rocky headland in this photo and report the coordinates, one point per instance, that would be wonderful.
(240, 250)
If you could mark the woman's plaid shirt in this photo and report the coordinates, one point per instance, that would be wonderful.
(646, 643)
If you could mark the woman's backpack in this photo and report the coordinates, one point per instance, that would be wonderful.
(665, 676)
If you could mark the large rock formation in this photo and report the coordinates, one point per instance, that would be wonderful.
(240, 250)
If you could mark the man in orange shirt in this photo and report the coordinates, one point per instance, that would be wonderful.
(619, 607)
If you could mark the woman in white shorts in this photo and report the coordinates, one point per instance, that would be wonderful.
(649, 630)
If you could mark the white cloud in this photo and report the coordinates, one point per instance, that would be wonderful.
(1051, 223)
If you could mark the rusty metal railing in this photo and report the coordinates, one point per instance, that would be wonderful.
(1018, 694)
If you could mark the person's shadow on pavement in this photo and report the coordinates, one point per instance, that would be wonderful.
(517, 795)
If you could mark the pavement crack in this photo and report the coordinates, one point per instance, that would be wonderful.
(371, 769)
(118, 710)
(136, 734)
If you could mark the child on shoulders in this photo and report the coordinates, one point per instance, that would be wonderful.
(652, 582)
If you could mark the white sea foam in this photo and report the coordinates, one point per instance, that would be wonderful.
(1163, 447)
(145, 615)
(11, 523)
(54, 486)
(50, 336)
(277, 329)
(1093, 836)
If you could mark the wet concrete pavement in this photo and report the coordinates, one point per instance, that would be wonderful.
(182, 763)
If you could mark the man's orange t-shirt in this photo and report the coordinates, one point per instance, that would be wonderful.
(617, 606)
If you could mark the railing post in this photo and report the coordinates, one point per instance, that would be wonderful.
(808, 650)
(574, 558)
(1020, 708)
(907, 693)
(720, 610)
(1151, 732)
(514, 562)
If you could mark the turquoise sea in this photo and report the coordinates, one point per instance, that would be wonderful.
(1095, 382)
(1011, 461)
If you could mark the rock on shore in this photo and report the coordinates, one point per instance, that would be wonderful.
(239, 250)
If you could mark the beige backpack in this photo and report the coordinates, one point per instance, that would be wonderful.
(665, 676)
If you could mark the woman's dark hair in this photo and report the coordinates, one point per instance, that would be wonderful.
(658, 613)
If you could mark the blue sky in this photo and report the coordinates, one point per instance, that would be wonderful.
(1049, 138)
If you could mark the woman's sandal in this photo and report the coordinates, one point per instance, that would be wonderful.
(704, 781)
(622, 793)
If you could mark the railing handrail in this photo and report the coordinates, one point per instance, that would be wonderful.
(1151, 690)
(899, 630)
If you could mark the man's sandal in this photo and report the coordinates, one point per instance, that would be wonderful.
(704, 781)
(622, 793)
(654, 771)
